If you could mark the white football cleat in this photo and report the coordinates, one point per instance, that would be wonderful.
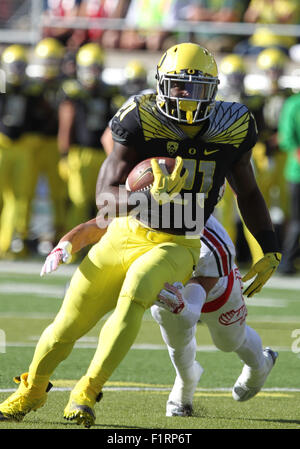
(251, 381)
(181, 397)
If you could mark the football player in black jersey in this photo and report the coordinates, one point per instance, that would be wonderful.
(272, 62)
(234, 71)
(125, 271)
(134, 82)
(84, 111)
(15, 152)
(47, 77)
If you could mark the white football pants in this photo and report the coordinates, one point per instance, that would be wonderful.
(224, 312)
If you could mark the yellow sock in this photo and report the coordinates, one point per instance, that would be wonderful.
(116, 337)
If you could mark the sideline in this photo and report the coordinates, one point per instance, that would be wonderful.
(34, 268)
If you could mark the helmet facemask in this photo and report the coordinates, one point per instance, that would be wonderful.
(48, 69)
(89, 76)
(198, 95)
(15, 72)
(14, 63)
(47, 59)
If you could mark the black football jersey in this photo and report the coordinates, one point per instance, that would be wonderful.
(42, 97)
(14, 111)
(225, 136)
(93, 110)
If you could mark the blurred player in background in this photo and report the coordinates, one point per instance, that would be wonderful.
(84, 111)
(68, 65)
(15, 152)
(135, 79)
(268, 160)
(289, 141)
(234, 71)
(135, 82)
(46, 61)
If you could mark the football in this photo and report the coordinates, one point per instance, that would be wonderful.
(141, 177)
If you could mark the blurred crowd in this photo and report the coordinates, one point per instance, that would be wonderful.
(54, 124)
(56, 108)
(150, 23)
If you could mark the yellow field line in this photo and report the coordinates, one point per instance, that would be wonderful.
(212, 393)
(220, 394)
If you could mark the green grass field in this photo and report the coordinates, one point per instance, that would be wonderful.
(136, 394)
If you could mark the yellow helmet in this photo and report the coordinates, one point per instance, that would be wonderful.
(48, 54)
(135, 70)
(232, 64)
(271, 58)
(135, 76)
(14, 62)
(14, 53)
(265, 37)
(234, 70)
(49, 48)
(187, 80)
(89, 62)
(90, 54)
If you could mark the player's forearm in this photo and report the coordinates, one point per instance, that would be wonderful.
(112, 198)
(66, 116)
(257, 219)
(113, 202)
(64, 139)
(83, 235)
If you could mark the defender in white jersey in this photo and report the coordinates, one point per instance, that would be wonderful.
(216, 294)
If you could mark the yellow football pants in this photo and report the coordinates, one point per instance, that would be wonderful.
(272, 183)
(15, 174)
(124, 271)
(83, 168)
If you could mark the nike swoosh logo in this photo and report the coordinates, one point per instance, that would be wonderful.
(207, 152)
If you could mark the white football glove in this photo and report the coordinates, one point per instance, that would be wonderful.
(60, 254)
(171, 298)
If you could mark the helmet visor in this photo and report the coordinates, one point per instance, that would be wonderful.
(48, 68)
(15, 71)
(193, 91)
(89, 75)
(179, 94)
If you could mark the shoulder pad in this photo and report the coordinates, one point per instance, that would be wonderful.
(229, 123)
(146, 97)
